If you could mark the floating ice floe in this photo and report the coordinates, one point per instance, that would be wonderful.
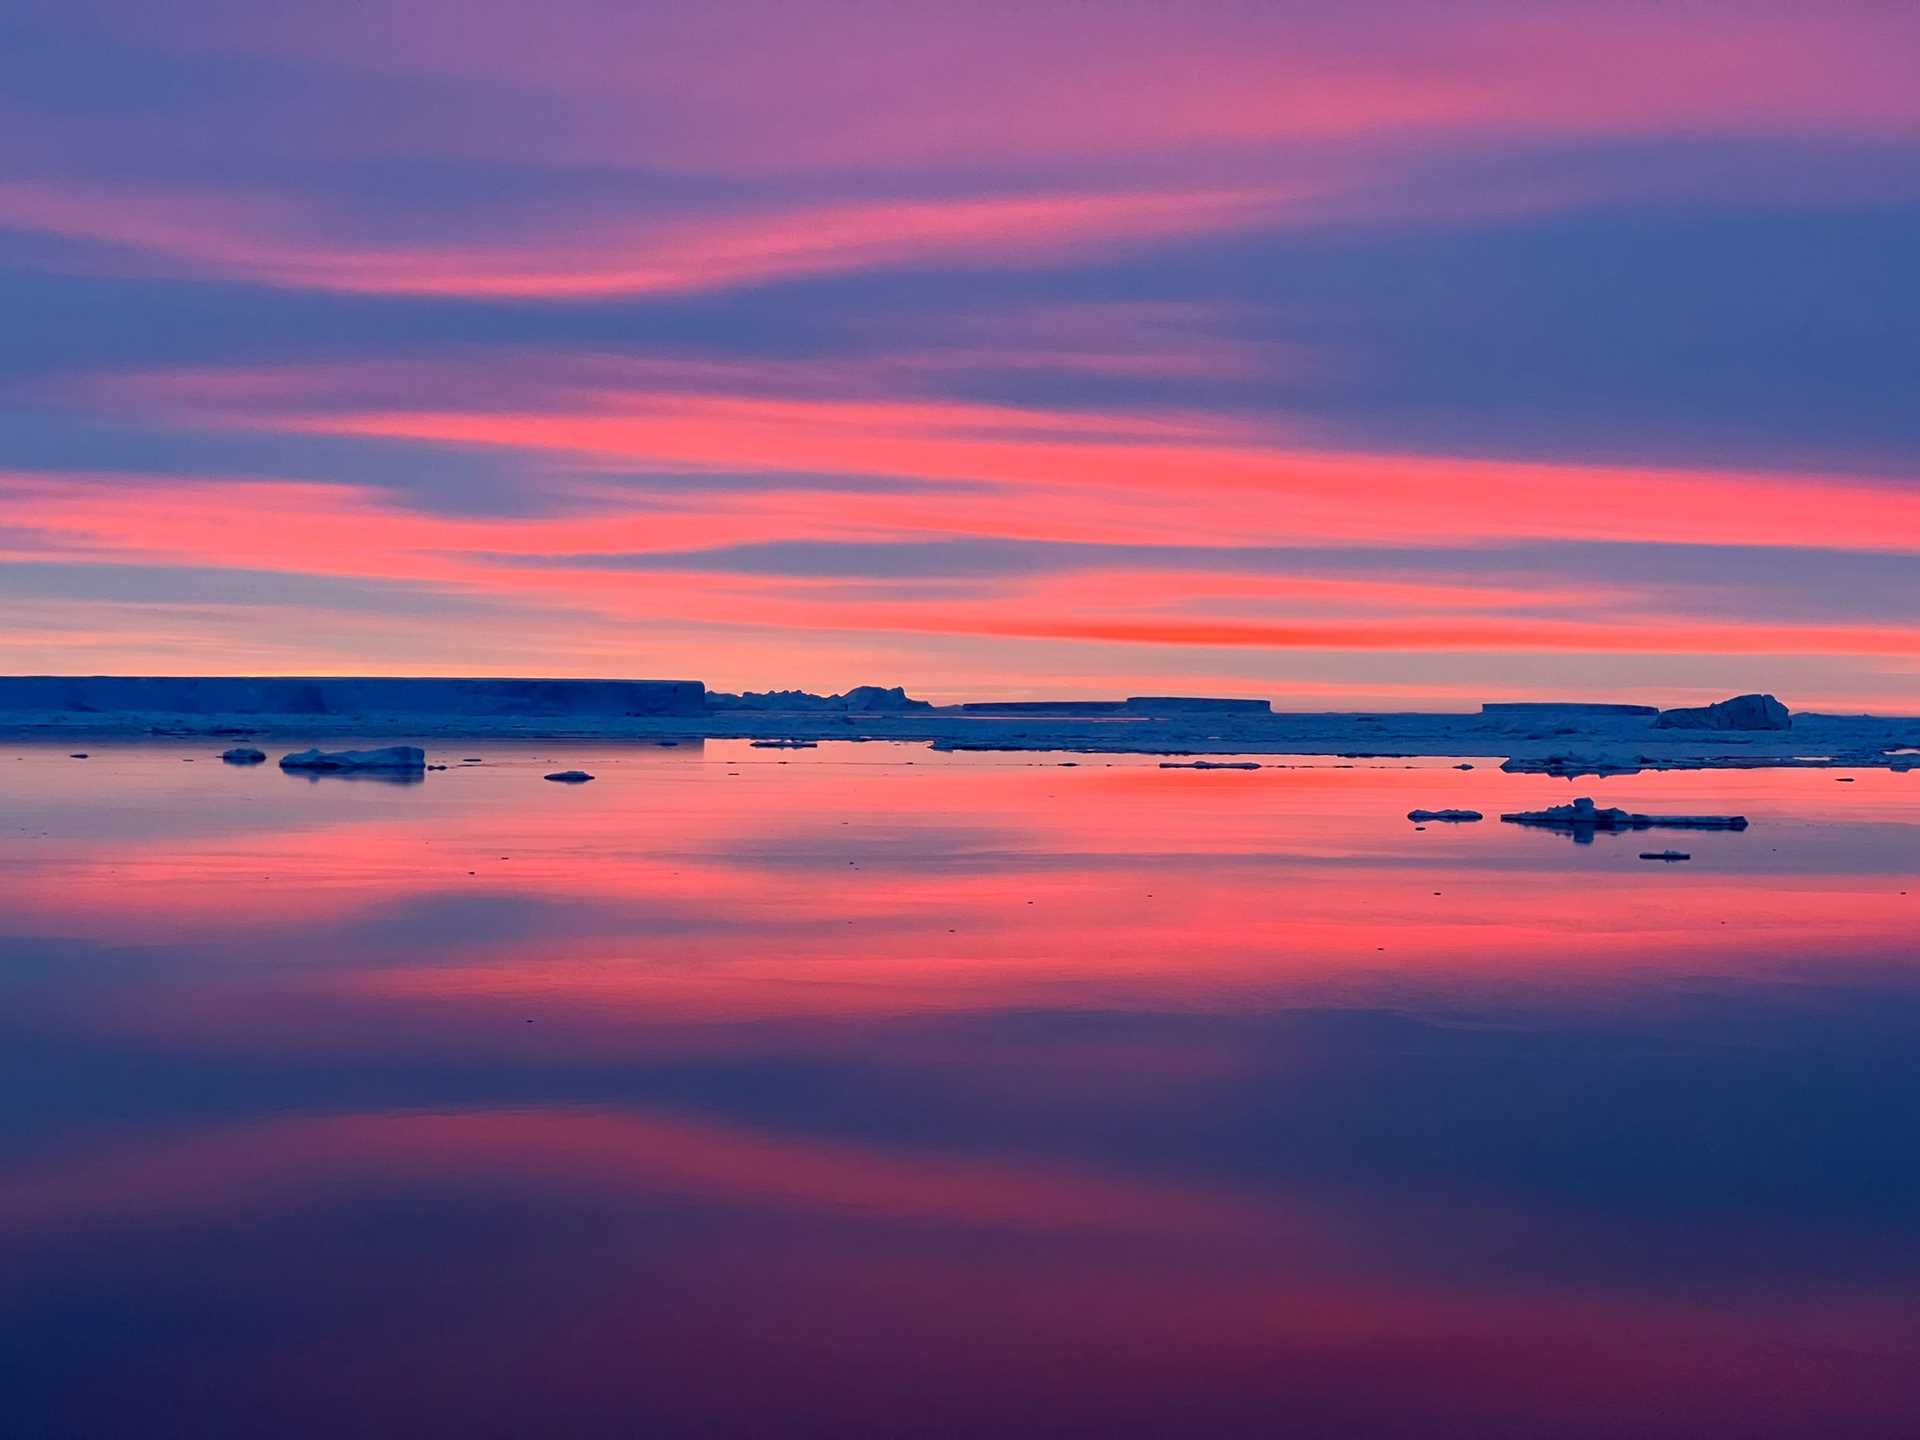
(1454, 817)
(388, 758)
(1571, 766)
(244, 755)
(570, 777)
(1582, 814)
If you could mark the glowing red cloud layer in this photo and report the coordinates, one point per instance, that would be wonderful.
(1277, 494)
(1012, 473)
(1121, 477)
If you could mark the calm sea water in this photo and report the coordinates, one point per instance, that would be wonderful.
(865, 1090)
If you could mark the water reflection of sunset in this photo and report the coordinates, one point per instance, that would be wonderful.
(1204, 1086)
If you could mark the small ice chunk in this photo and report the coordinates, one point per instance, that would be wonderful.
(570, 777)
(244, 755)
(1456, 817)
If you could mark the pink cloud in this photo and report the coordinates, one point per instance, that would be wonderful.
(760, 86)
(1139, 476)
(1140, 479)
(263, 238)
(893, 464)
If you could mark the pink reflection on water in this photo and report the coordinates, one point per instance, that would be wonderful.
(730, 888)
(742, 1086)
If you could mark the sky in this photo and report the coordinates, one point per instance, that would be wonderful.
(1383, 355)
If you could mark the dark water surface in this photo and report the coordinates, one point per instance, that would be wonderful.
(866, 1090)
